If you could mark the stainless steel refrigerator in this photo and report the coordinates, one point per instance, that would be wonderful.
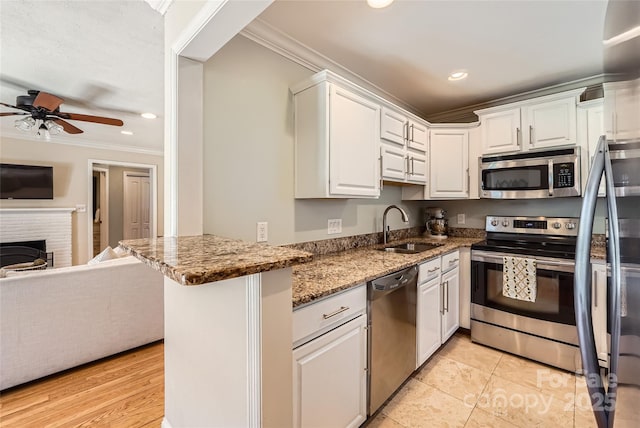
(615, 392)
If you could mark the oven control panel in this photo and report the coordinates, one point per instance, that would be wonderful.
(566, 226)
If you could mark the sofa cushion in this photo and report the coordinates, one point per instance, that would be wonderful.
(106, 254)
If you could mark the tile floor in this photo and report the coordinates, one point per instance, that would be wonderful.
(472, 386)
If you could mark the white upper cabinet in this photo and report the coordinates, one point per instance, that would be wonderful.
(402, 136)
(337, 135)
(622, 110)
(590, 129)
(449, 166)
(538, 123)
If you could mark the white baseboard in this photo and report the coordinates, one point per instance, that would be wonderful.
(165, 423)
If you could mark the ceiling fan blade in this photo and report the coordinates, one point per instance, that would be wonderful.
(69, 128)
(9, 105)
(47, 101)
(89, 118)
(12, 114)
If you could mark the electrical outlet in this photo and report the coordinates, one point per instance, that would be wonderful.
(262, 231)
(461, 218)
(334, 225)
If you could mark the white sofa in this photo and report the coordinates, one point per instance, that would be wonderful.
(56, 319)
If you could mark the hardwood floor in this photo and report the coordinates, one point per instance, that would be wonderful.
(126, 390)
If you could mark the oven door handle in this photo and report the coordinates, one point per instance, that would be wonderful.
(542, 263)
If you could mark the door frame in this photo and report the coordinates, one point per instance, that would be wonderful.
(104, 210)
(153, 177)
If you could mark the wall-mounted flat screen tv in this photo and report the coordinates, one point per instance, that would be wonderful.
(26, 181)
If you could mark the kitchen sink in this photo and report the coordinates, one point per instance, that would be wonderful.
(410, 247)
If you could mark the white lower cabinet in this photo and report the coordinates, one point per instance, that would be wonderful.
(438, 306)
(428, 319)
(599, 310)
(329, 371)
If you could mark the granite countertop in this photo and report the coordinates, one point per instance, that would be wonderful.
(328, 274)
(196, 260)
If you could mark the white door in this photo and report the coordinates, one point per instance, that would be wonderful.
(417, 168)
(501, 131)
(136, 206)
(354, 137)
(429, 317)
(599, 310)
(104, 208)
(329, 378)
(451, 302)
(418, 136)
(393, 126)
(549, 124)
(449, 163)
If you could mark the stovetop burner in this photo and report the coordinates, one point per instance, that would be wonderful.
(532, 236)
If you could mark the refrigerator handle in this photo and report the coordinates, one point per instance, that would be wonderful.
(613, 254)
(582, 288)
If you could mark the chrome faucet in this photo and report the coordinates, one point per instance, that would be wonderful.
(385, 228)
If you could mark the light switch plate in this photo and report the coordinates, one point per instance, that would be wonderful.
(262, 231)
(334, 226)
(461, 218)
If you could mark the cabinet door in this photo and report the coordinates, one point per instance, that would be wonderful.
(329, 378)
(549, 124)
(626, 124)
(418, 136)
(592, 127)
(449, 163)
(428, 319)
(501, 131)
(417, 168)
(354, 136)
(599, 310)
(451, 296)
(393, 162)
(393, 126)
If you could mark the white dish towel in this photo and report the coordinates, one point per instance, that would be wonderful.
(519, 278)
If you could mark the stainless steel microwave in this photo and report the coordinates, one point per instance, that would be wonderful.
(531, 175)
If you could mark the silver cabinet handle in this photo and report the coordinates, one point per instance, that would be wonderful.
(381, 169)
(407, 165)
(446, 294)
(412, 132)
(530, 135)
(453, 261)
(442, 298)
(405, 131)
(413, 167)
(595, 289)
(435, 269)
(336, 312)
(518, 136)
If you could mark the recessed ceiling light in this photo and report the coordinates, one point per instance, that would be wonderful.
(126, 132)
(148, 115)
(458, 75)
(379, 4)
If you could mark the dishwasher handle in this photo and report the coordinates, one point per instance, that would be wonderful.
(390, 283)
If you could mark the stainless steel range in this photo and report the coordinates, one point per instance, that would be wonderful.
(539, 323)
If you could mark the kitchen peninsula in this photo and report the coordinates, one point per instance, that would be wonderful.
(228, 329)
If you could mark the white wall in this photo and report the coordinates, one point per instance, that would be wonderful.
(70, 180)
(476, 211)
(248, 155)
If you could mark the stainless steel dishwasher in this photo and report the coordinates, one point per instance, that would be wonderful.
(391, 306)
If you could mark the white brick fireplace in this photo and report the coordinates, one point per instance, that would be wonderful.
(31, 224)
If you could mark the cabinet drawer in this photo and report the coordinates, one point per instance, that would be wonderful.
(316, 318)
(429, 270)
(450, 261)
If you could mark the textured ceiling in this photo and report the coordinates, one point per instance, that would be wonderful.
(103, 57)
(409, 48)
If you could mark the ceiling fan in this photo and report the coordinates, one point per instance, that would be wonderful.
(45, 108)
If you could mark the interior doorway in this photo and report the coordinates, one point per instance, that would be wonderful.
(123, 200)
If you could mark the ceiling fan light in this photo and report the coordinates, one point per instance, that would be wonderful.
(52, 127)
(25, 124)
(379, 4)
(43, 132)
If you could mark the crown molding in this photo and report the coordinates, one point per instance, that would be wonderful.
(160, 6)
(466, 113)
(281, 43)
(89, 145)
